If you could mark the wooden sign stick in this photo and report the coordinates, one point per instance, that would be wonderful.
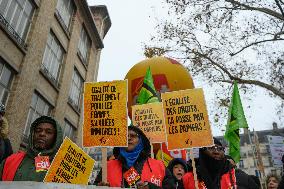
(152, 151)
(104, 164)
(194, 168)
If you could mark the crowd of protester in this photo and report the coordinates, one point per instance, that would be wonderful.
(214, 170)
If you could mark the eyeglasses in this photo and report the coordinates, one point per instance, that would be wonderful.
(133, 135)
(218, 148)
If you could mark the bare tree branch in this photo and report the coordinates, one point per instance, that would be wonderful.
(279, 6)
(264, 10)
(257, 83)
(278, 34)
(255, 43)
(214, 63)
(271, 88)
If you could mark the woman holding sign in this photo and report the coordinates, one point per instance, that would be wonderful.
(133, 165)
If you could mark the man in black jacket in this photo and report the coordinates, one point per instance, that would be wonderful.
(244, 181)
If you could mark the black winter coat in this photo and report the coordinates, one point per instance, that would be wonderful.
(244, 181)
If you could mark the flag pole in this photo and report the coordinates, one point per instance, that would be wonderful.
(104, 164)
(152, 151)
(194, 168)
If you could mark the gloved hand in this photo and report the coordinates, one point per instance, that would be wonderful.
(103, 184)
(142, 185)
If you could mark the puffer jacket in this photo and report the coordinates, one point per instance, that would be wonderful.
(153, 167)
(26, 169)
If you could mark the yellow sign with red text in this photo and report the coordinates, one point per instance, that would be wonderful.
(105, 114)
(70, 165)
(186, 119)
(150, 119)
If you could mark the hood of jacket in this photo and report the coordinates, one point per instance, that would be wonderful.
(146, 152)
(176, 161)
(59, 137)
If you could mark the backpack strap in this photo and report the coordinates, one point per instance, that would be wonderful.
(11, 165)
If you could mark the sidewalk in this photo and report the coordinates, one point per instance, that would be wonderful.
(39, 185)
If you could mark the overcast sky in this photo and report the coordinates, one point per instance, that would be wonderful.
(133, 22)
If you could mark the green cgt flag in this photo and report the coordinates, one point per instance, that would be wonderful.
(147, 92)
(236, 121)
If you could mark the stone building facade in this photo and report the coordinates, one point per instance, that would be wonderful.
(48, 49)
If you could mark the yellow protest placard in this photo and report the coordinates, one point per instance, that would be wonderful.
(186, 119)
(150, 119)
(70, 165)
(105, 114)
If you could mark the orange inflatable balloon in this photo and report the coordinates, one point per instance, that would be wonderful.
(168, 75)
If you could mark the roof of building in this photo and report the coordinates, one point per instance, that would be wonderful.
(91, 21)
(260, 134)
(102, 10)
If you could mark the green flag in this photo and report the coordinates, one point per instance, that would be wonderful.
(236, 121)
(147, 92)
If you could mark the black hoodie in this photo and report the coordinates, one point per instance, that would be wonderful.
(26, 170)
(172, 163)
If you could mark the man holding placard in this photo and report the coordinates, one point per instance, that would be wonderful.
(44, 141)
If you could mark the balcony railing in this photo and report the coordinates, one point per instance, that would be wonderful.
(12, 33)
(65, 28)
(50, 77)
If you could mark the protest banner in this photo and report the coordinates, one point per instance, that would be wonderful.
(105, 114)
(70, 165)
(186, 119)
(276, 146)
(150, 119)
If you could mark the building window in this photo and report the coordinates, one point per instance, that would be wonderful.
(39, 106)
(6, 77)
(84, 46)
(69, 130)
(18, 14)
(270, 161)
(65, 9)
(241, 164)
(273, 171)
(268, 149)
(76, 90)
(257, 173)
(52, 58)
